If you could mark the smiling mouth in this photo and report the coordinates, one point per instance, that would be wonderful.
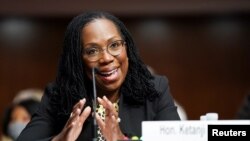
(107, 74)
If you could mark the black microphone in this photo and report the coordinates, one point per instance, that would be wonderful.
(94, 105)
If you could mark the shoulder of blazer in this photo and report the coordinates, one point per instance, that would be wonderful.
(160, 82)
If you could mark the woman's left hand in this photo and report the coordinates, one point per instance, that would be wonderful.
(110, 128)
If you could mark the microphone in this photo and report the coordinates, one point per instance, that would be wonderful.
(94, 104)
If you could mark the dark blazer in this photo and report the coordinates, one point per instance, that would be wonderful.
(43, 124)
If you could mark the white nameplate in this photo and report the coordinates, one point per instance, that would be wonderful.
(189, 130)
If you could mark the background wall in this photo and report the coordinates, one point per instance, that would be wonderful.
(201, 46)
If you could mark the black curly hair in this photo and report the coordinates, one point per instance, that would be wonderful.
(72, 83)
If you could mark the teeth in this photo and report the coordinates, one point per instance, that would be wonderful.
(108, 73)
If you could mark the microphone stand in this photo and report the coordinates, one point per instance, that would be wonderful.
(94, 105)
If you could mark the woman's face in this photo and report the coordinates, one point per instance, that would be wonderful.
(20, 114)
(112, 70)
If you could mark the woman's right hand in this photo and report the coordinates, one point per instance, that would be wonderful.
(110, 128)
(73, 127)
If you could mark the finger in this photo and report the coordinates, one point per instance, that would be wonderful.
(75, 113)
(104, 104)
(74, 118)
(116, 120)
(100, 122)
(104, 101)
(84, 115)
(110, 108)
(113, 118)
(82, 103)
(79, 104)
(101, 101)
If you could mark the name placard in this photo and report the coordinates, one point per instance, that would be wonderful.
(195, 130)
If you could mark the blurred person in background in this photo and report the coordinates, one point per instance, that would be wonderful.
(244, 110)
(127, 92)
(17, 116)
(29, 93)
(19, 112)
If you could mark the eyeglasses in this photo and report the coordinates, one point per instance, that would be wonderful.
(94, 53)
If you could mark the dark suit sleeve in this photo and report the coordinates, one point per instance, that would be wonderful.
(165, 109)
(41, 127)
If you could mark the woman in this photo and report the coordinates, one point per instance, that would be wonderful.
(127, 92)
(244, 109)
(17, 116)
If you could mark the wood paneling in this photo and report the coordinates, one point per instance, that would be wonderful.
(132, 8)
(207, 67)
